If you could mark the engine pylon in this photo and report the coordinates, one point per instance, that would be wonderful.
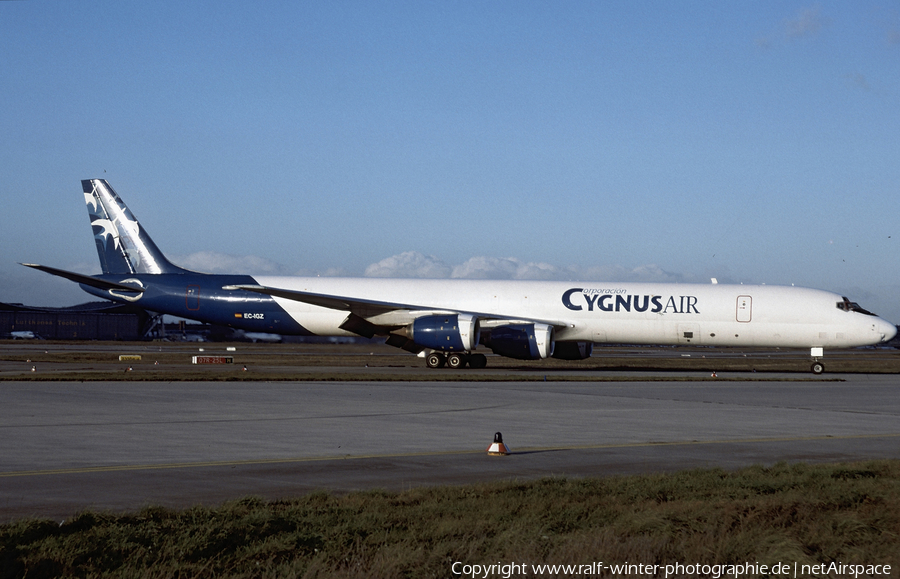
(498, 448)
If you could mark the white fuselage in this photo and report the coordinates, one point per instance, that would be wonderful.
(649, 313)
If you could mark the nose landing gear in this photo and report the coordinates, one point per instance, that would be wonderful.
(816, 353)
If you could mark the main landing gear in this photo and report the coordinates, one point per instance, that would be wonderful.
(455, 361)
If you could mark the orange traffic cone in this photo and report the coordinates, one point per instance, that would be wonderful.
(498, 448)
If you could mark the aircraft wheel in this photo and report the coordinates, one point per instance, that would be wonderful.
(435, 360)
(456, 361)
(817, 367)
(477, 361)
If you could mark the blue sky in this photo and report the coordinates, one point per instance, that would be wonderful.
(652, 141)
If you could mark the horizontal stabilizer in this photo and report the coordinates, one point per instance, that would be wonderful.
(84, 279)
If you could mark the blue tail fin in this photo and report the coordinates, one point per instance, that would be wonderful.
(122, 244)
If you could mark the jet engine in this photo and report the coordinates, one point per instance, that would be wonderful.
(573, 350)
(522, 341)
(447, 333)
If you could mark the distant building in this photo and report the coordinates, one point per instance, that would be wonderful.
(112, 321)
(91, 321)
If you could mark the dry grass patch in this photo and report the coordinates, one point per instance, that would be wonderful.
(785, 513)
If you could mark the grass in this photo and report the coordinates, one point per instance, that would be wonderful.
(801, 513)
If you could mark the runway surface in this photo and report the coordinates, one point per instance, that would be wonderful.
(119, 446)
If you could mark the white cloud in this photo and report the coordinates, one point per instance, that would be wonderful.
(483, 267)
(487, 268)
(409, 264)
(642, 273)
(412, 264)
(214, 262)
(330, 272)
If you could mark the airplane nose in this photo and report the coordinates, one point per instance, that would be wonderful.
(887, 329)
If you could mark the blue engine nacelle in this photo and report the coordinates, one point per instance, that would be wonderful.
(522, 341)
(573, 350)
(447, 333)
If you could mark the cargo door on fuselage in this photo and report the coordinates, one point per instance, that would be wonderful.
(744, 309)
(192, 297)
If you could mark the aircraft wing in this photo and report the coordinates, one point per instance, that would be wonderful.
(398, 322)
(85, 279)
(373, 309)
(360, 307)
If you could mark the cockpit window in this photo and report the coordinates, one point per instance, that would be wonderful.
(849, 306)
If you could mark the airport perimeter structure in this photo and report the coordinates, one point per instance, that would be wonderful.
(90, 321)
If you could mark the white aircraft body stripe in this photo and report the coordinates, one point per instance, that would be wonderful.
(686, 313)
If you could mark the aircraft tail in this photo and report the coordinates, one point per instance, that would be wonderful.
(122, 244)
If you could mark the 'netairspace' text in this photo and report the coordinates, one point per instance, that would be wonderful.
(507, 570)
